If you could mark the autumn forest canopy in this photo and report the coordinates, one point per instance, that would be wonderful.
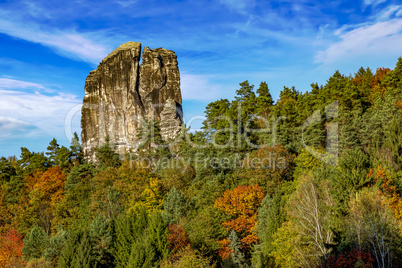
(311, 180)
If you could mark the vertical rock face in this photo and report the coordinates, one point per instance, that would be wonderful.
(120, 93)
(170, 120)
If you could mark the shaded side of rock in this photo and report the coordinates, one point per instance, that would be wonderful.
(170, 120)
(159, 79)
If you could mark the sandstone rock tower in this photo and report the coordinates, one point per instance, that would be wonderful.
(121, 92)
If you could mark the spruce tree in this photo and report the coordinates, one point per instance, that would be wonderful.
(139, 254)
(55, 246)
(68, 253)
(102, 241)
(128, 229)
(156, 236)
(270, 218)
(237, 257)
(84, 257)
(174, 206)
(35, 243)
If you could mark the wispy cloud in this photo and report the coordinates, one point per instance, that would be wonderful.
(389, 12)
(68, 43)
(9, 126)
(126, 3)
(7, 83)
(373, 2)
(321, 31)
(238, 5)
(21, 111)
(376, 39)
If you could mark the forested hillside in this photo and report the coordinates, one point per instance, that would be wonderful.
(312, 180)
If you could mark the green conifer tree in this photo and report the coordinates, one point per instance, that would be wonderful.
(264, 100)
(102, 241)
(55, 246)
(174, 206)
(106, 155)
(237, 257)
(35, 243)
(128, 229)
(84, 256)
(270, 218)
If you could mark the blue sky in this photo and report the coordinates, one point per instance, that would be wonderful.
(47, 49)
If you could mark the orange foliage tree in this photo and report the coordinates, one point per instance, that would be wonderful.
(11, 244)
(46, 190)
(389, 190)
(376, 82)
(370, 84)
(178, 239)
(50, 184)
(240, 205)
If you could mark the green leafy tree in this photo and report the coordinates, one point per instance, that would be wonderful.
(246, 92)
(141, 240)
(77, 199)
(77, 251)
(285, 115)
(350, 177)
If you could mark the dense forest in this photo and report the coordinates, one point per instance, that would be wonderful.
(311, 180)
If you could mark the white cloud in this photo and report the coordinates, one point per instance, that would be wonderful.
(389, 11)
(372, 40)
(68, 43)
(198, 87)
(9, 125)
(8, 83)
(33, 113)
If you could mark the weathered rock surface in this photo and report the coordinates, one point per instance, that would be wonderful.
(120, 93)
(170, 120)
